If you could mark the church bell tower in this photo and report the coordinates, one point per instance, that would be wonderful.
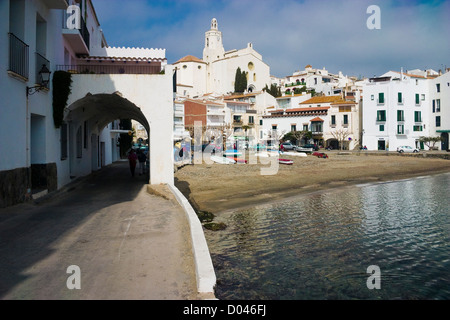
(213, 43)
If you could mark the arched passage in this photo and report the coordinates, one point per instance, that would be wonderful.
(146, 98)
(91, 147)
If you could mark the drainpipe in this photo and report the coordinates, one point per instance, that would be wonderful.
(27, 146)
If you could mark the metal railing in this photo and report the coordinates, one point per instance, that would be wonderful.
(18, 56)
(110, 69)
(39, 63)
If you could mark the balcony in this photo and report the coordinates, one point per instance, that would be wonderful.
(111, 69)
(216, 112)
(18, 57)
(79, 39)
(56, 4)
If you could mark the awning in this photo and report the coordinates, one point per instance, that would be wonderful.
(442, 131)
(317, 119)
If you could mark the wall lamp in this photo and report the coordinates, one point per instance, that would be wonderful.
(44, 77)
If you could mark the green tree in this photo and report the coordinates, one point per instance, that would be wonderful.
(240, 81)
(297, 136)
(274, 90)
(430, 142)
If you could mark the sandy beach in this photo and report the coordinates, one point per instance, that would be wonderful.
(218, 187)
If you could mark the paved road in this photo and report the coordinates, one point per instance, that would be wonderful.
(127, 243)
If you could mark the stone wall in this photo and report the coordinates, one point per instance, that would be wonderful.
(16, 182)
(13, 189)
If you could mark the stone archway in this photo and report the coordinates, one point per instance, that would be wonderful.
(86, 118)
(148, 99)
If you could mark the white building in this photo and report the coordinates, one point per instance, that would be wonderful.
(319, 80)
(331, 120)
(45, 145)
(396, 111)
(216, 72)
(439, 118)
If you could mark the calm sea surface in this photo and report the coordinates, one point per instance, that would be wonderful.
(319, 246)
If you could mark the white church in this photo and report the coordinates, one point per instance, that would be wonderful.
(216, 72)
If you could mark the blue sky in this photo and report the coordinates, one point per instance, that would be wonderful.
(290, 34)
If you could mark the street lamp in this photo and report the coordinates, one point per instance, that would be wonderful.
(44, 77)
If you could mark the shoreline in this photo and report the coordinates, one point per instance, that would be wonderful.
(327, 189)
(219, 188)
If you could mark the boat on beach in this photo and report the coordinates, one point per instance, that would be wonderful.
(285, 161)
(222, 160)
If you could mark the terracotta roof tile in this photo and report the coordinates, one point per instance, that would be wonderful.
(322, 99)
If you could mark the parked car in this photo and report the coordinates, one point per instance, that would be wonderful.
(402, 149)
(307, 148)
(258, 147)
(288, 146)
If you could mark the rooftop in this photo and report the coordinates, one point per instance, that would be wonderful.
(322, 99)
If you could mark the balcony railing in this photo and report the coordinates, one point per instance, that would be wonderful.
(40, 62)
(18, 56)
(110, 69)
(83, 28)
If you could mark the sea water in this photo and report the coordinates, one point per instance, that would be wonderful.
(320, 245)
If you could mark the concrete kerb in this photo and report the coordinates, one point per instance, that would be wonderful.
(204, 269)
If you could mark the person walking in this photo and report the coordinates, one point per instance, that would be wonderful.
(141, 158)
(132, 157)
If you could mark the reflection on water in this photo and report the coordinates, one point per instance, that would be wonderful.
(319, 246)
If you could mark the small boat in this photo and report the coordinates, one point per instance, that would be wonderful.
(237, 160)
(320, 155)
(233, 153)
(222, 160)
(285, 161)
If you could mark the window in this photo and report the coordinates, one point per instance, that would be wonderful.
(417, 99)
(345, 119)
(381, 98)
(423, 97)
(63, 139)
(251, 119)
(438, 87)
(274, 127)
(400, 129)
(381, 115)
(418, 128)
(438, 105)
(417, 116)
(293, 127)
(399, 98)
(400, 115)
(333, 120)
(434, 106)
(79, 143)
(381, 127)
(372, 97)
(260, 122)
(438, 121)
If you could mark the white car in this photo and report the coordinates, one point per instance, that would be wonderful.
(402, 149)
